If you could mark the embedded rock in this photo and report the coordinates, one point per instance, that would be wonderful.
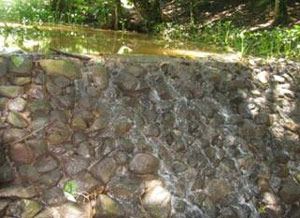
(144, 164)
(67, 68)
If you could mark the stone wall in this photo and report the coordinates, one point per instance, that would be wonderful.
(148, 137)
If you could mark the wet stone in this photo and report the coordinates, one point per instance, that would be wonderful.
(28, 173)
(59, 116)
(86, 182)
(17, 120)
(53, 197)
(53, 89)
(100, 123)
(78, 123)
(121, 157)
(62, 102)
(105, 169)
(3, 103)
(107, 207)
(67, 68)
(100, 77)
(58, 134)
(11, 91)
(85, 150)
(20, 81)
(124, 187)
(144, 164)
(38, 146)
(66, 210)
(50, 179)
(289, 191)
(3, 206)
(39, 120)
(46, 164)
(134, 70)
(75, 165)
(36, 92)
(3, 66)
(20, 65)
(78, 137)
(152, 131)
(6, 173)
(17, 104)
(122, 126)
(217, 189)
(127, 82)
(21, 154)
(39, 105)
(61, 81)
(31, 208)
(18, 192)
(157, 207)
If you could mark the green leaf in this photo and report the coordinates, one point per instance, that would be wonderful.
(71, 187)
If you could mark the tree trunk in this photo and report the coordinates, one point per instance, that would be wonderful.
(281, 13)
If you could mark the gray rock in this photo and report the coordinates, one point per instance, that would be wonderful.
(85, 150)
(20, 65)
(122, 126)
(157, 207)
(86, 182)
(17, 120)
(58, 134)
(53, 197)
(105, 169)
(143, 163)
(61, 81)
(50, 179)
(18, 192)
(100, 77)
(66, 210)
(125, 187)
(46, 164)
(217, 189)
(100, 123)
(289, 191)
(21, 154)
(3, 103)
(20, 81)
(38, 146)
(107, 207)
(59, 116)
(39, 105)
(11, 91)
(6, 173)
(3, 66)
(12, 134)
(28, 173)
(127, 82)
(3, 206)
(17, 104)
(67, 68)
(75, 165)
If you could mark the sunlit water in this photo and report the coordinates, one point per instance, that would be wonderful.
(92, 41)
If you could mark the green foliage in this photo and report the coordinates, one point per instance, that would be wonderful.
(278, 42)
(97, 12)
(71, 187)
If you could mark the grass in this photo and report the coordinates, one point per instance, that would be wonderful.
(277, 42)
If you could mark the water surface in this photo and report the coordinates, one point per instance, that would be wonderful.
(93, 41)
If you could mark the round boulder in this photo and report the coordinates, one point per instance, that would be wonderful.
(143, 163)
